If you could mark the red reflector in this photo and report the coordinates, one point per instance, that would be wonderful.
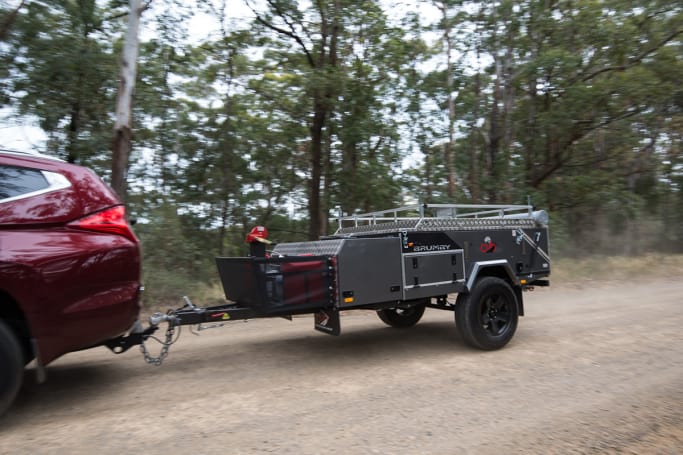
(110, 221)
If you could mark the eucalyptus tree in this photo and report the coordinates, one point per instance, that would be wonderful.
(312, 35)
(584, 73)
(366, 123)
(157, 112)
(447, 24)
(60, 71)
(213, 168)
(344, 60)
(590, 92)
(456, 89)
(123, 125)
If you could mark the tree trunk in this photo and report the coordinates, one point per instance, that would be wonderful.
(74, 125)
(495, 136)
(450, 146)
(327, 178)
(222, 230)
(228, 140)
(321, 108)
(474, 148)
(474, 139)
(508, 106)
(427, 173)
(316, 170)
(123, 127)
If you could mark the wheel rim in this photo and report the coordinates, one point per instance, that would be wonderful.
(404, 312)
(496, 314)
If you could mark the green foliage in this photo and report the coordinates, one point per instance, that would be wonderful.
(62, 71)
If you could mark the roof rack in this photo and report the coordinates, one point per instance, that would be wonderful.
(442, 216)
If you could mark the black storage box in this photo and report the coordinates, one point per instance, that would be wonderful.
(278, 286)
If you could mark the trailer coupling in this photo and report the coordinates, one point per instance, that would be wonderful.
(189, 314)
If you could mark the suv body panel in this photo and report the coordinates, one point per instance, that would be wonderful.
(76, 288)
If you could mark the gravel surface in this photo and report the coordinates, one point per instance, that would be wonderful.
(595, 370)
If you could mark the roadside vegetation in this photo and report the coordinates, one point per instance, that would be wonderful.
(643, 269)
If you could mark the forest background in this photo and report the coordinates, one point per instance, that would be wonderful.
(276, 112)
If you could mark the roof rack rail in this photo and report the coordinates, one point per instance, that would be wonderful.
(429, 216)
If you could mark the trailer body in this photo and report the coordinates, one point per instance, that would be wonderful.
(394, 260)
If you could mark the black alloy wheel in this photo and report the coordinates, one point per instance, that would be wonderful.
(402, 317)
(487, 317)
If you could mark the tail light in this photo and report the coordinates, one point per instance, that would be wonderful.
(109, 221)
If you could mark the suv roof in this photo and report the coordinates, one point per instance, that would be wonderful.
(28, 153)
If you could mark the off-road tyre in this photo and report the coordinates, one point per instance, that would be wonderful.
(487, 316)
(11, 366)
(402, 318)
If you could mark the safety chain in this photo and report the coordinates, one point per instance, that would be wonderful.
(170, 331)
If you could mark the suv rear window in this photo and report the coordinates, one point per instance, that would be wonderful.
(17, 181)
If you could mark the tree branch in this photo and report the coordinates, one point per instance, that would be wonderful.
(115, 16)
(634, 61)
(9, 21)
(285, 18)
(562, 158)
(290, 33)
(143, 8)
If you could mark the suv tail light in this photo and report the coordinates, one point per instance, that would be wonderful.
(110, 221)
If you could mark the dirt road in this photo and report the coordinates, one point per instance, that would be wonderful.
(592, 371)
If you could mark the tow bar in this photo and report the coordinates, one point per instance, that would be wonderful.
(189, 314)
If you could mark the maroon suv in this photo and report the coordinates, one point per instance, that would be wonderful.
(69, 264)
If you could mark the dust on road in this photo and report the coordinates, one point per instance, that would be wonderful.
(595, 370)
